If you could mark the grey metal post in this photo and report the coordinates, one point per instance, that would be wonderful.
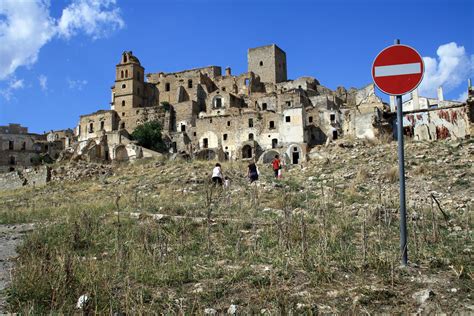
(401, 167)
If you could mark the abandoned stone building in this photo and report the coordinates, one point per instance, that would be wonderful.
(20, 149)
(209, 114)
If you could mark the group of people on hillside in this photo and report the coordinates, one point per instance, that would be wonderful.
(218, 177)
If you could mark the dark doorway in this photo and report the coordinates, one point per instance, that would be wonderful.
(296, 157)
(247, 152)
(174, 147)
(274, 142)
(205, 143)
(334, 135)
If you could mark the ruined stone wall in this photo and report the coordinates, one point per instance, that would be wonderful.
(186, 113)
(18, 151)
(13, 129)
(437, 124)
(358, 122)
(96, 124)
(28, 177)
(182, 86)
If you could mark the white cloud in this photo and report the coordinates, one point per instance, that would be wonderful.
(43, 82)
(451, 68)
(76, 84)
(94, 17)
(14, 84)
(26, 26)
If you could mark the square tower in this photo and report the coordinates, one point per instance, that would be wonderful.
(268, 62)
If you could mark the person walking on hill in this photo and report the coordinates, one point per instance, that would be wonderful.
(217, 176)
(276, 164)
(252, 172)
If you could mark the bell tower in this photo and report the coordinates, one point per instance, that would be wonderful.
(128, 90)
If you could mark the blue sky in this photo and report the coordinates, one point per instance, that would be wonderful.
(57, 58)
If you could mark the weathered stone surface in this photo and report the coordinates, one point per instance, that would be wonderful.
(16, 179)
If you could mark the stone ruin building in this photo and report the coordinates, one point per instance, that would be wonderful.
(207, 114)
(20, 149)
(213, 115)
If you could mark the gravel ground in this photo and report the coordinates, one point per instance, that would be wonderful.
(10, 237)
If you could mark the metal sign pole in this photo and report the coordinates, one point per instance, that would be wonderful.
(401, 167)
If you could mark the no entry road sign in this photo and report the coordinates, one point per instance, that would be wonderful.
(398, 70)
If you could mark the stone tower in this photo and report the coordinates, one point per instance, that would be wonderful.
(128, 91)
(268, 62)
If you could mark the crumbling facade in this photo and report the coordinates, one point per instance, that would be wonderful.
(209, 114)
(20, 149)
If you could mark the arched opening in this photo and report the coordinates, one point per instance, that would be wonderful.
(124, 58)
(190, 83)
(121, 74)
(121, 153)
(246, 152)
(250, 136)
(91, 128)
(268, 156)
(126, 73)
(261, 63)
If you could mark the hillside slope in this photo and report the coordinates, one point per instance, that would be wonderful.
(154, 236)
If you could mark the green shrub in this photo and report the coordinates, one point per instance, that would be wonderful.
(149, 136)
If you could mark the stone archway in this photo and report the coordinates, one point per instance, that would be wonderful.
(268, 156)
(247, 152)
(295, 154)
(121, 153)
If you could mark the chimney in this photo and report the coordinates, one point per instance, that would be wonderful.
(440, 94)
(228, 71)
(415, 99)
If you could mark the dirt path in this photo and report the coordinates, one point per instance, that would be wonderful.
(10, 237)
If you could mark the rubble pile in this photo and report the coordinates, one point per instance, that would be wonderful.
(74, 171)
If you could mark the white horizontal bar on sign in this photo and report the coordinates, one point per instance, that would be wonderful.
(395, 70)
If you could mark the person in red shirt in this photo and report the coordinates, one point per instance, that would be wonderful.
(276, 164)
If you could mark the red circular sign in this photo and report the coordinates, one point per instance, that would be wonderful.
(398, 69)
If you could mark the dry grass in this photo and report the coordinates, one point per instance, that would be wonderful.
(392, 174)
(280, 248)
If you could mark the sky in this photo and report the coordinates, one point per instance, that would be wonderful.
(58, 57)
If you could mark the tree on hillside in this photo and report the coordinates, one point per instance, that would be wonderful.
(148, 135)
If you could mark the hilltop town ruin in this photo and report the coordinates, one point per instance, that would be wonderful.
(208, 114)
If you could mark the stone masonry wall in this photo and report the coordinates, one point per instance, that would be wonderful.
(35, 176)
